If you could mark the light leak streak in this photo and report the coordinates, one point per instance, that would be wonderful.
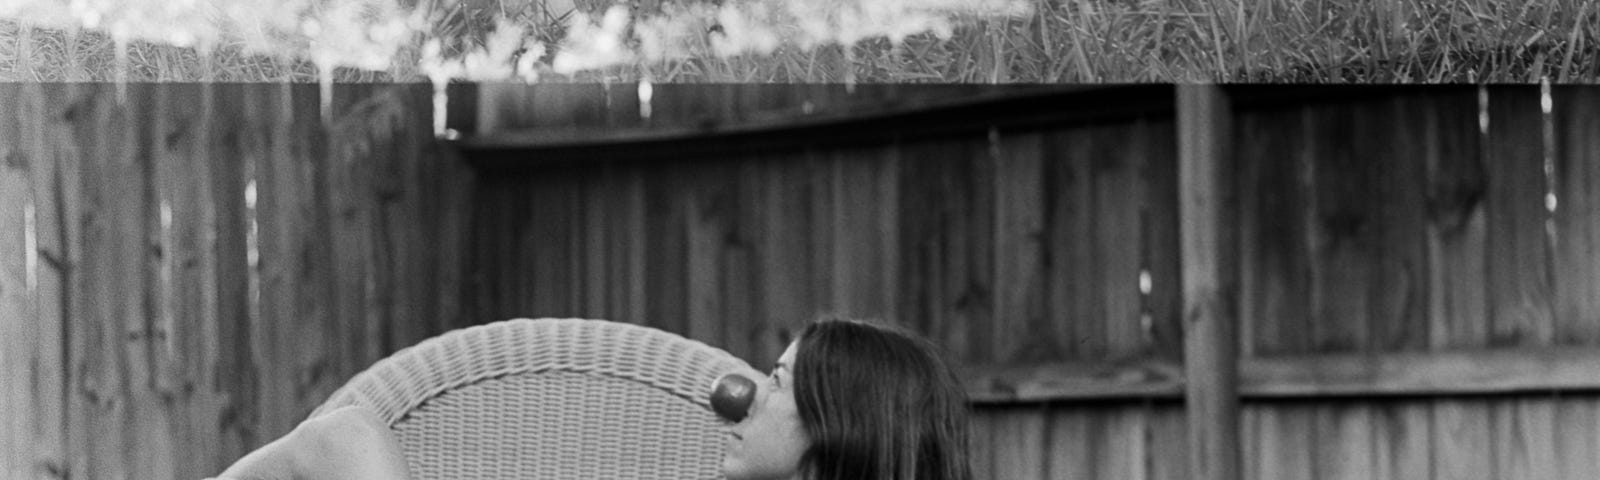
(1548, 137)
(253, 254)
(30, 246)
(252, 240)
(441, 111)
(1483, 110)
(169, 266)
(646, 94)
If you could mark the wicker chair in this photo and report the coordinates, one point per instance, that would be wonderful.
(550, 398)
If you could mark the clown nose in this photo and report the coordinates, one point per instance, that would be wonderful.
(731, 396)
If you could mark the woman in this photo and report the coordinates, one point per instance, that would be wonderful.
(846, 400)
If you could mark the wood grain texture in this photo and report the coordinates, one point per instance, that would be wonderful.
(1210, 281)
(1518, 258)
(17, 296)
(1275, 263)
(1021, 298)
(1576, 280)
(52, 187)
(1437, 373)
(1385, 244)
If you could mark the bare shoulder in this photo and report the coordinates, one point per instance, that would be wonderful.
(350, 442)
(345, 422)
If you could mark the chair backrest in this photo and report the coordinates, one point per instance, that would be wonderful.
(550, 398)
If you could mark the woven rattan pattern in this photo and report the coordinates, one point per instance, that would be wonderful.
(550, 398)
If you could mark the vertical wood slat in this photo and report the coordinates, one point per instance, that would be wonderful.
(276, 185)
(233, 377)
(110, 285)
(43, 437)
(1210, 361)
(1518, 252)
(1402, 439)
(347, 181)
(1021, 298)
(1275, 272)
(1076, 313)
(1016, 438)
(1577, 189)
(1071, 444)
(18, 300)
(947, 210)
(711, 227)
(1118, 158)
(1458, 313)
(1519, 271)
(1164, 303)
(188, 289)
(863, 238)
(741, 282)
(788, 283)
(1577, 274)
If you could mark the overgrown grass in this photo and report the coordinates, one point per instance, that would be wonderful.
(1063, 41)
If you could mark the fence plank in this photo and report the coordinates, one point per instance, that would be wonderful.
(1525, 438)
(1458, 312)
(1577, 276)
(1124, 451)
(863, 238)
(741, 282)
(235, 381)
(17, 296)
(1159, 211)
(1518, 255)
(1284, 441)
(788, 283)
(1577, 236)
(982, 447)
(1518, 267)
(1018, 443)
(280, 233)
(1168, 432)
(188, 288)
(1275, 180)
(1403, 441)
(1116, 166)
(54, 195)
(1463, 440)
(1071, 444)
(948, 221)
(1577, 437)
(1020, 304)
(1077, 314)
(351, 168)
(666, 269)
(712, 195)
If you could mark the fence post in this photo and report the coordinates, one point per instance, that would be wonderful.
(1206, 213)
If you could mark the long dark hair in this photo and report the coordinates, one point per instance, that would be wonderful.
(879, 403)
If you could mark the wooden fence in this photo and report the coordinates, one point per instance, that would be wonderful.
(1408, 304)
(187, 270)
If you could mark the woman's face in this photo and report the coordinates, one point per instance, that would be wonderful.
(768, 443)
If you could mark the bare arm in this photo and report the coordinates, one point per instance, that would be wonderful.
(350, 443)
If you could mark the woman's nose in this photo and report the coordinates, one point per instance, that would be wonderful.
(731, 396)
